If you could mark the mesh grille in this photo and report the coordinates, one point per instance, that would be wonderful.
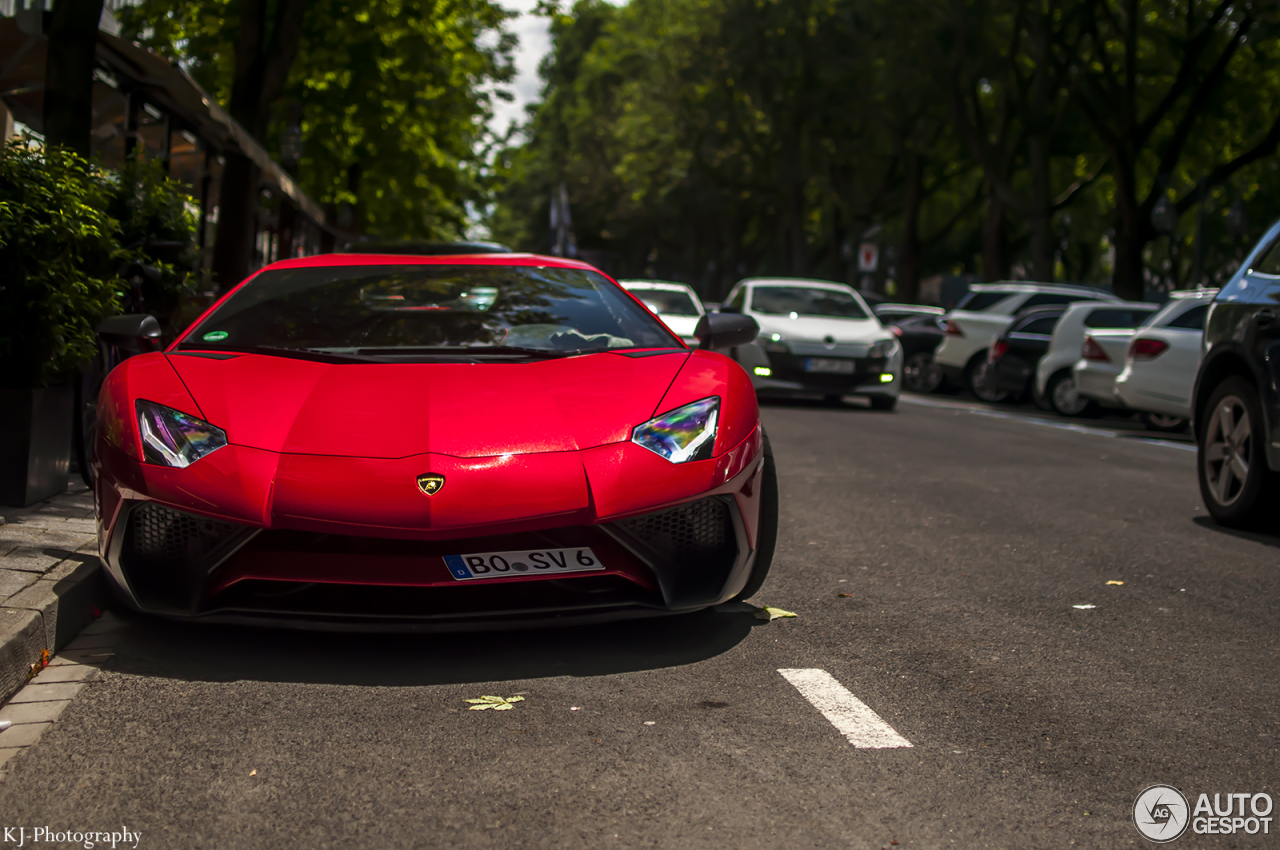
(696, 529)
(160, 534)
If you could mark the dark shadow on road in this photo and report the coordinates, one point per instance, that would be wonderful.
(152, 647)
(1212, 525)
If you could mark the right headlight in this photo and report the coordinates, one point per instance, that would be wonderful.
(684, 434)
(172, 438)
(883, 348)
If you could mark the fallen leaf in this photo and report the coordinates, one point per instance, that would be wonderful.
(1084, 607)
(496, 703)
(844, 595)
(771, 613)
(253, 773)
(1113, 581)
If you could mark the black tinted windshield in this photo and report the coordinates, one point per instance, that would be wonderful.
(806, 301)
(669, 302)
(977, 302)
(381, 310)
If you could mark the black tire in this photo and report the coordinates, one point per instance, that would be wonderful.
(767, 531)
(975, 375)
(1164, 423)
(883, 402)
(1237, 486)
(920, 373)
(1065, 401)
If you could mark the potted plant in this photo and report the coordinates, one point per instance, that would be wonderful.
(59, 253)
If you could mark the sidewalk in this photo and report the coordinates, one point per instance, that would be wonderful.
(50, 581)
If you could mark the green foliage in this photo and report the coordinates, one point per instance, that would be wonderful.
(394, 98)
(158, 224)
(60, 250)
(703, 140)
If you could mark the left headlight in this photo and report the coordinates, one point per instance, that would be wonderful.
(172, 438)
(883, 348)
(684, 434)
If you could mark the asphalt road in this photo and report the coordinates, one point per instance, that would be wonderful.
(933, 557)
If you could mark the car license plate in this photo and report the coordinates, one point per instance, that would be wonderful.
(829, 365)
(522, 563)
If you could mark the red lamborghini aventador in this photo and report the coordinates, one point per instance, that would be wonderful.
(433, 442)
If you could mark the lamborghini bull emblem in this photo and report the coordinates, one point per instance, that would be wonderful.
(430, 483)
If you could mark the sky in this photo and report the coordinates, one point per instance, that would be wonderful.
(535, 41)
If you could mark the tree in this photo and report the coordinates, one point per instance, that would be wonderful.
(68, 79)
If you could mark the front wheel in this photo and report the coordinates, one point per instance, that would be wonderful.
(1164, 422)
(1235, 483)
(920, 373)
(767, 529)
(977, 374)
(1064, 398)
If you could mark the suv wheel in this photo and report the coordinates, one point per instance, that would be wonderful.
(1064, 398)
(920, 374)
(977, 377)
(1237, 487)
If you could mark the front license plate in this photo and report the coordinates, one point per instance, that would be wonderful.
(525, 563)
(829, 365)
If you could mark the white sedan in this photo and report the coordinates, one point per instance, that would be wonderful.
(816, 338)
(676, 304)
(1055, 382)
(1160, 369)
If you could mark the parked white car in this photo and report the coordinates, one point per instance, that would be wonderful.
(983, 314)
(1055, 382)
(816, 338)
(1164, 355)
(1101, 359)
(676, 304)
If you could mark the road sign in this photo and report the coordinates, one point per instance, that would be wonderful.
(868, 256)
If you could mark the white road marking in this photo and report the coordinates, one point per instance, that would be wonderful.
(1048, 423)
(860, 726)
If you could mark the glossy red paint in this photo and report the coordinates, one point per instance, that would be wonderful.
(396, 410)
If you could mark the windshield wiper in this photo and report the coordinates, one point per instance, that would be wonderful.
(316, 354)
(470, 350)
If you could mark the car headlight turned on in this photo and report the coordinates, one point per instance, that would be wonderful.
(774, 343)
(883, 348)
(172, 438)
(684, 434)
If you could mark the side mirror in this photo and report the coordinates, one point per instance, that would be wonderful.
(725, 330)
(136, 333)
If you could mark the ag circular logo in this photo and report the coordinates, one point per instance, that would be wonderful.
(1161, 814)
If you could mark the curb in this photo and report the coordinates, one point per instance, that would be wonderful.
(44, 617)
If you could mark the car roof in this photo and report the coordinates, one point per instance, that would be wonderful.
(1193, 293)
(319, 260)
(656, 284)
(425, 248)
(797, 281)
(1085, 306)
(923, 309)
(1012, 286)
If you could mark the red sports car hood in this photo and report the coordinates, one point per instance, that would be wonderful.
(397, 410)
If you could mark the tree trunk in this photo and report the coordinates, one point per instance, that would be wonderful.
(1040, 210)
(68, 75)
(1131, 236)
(995, 239)
(237, 220)
(909, 260)
(264, 52)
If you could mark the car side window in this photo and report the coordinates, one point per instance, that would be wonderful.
(1046, 299)
(1193, 319)
(1043, 326)
(1269, 261)
(1112, 317)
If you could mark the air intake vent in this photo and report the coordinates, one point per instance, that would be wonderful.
(694, 530)
(168, 554)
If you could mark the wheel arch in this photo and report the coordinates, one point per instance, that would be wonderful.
(1216, 369)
